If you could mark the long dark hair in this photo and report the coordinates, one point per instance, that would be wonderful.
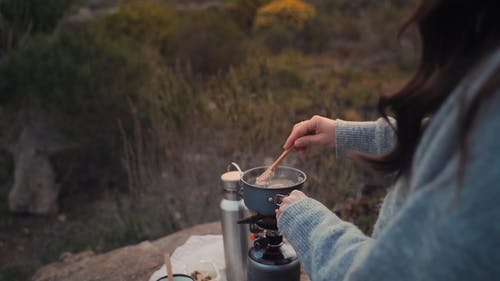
(455, 35)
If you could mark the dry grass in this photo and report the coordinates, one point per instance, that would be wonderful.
(177, 132)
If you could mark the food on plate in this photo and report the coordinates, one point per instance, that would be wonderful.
(198, 276)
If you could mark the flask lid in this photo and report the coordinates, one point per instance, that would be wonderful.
(231, 179)
(231, 176)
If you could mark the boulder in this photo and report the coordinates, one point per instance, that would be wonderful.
(131, 263)
(34, 189)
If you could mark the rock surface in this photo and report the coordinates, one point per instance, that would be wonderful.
(34, 189)
(131, 263)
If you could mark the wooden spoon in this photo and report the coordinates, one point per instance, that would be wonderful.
(169, 267)
(265, 177)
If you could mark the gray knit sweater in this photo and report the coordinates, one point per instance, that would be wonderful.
(428, 228)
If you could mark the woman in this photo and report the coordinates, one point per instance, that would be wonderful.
(441, 218)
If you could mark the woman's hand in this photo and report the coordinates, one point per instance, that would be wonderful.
(315, 131)
(294, 196)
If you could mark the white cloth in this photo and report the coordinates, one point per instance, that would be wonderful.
(200, 252)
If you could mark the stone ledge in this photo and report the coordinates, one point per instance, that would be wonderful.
(131, 263)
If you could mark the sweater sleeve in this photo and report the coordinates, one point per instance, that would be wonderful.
(448, 228)
(370, 137)
(438, 235)
(326, 245)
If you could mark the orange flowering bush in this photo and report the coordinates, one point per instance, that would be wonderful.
(290, 13)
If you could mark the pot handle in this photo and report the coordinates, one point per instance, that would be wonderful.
(233, 164)
(277, 199)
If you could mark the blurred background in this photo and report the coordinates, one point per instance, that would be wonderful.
(117, 118)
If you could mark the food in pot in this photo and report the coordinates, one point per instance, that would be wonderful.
(265, 178)
(275, 183)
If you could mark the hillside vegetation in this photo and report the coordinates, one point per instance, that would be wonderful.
(143, 105)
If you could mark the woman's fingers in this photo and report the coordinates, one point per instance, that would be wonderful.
(294, 196)
(306, 141)
(315, 131)
(299, 129)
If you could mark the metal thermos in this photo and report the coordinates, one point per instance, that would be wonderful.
(235, 236)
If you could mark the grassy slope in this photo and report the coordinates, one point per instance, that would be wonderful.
(362, 62)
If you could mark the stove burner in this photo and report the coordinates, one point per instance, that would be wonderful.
(266, 222)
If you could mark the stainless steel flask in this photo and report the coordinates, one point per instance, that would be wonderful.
(235, 236)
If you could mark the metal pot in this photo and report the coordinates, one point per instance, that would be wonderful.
(265, 200)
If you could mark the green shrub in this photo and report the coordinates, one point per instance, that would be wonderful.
(317, 34)
(284, 70)
(84, 83)
(209, 42)
(21, 18)
(18, 272)
(204, 42)
(41, 16)
(276, 38)
(77, 71)
(243, 12)
(147, 22)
